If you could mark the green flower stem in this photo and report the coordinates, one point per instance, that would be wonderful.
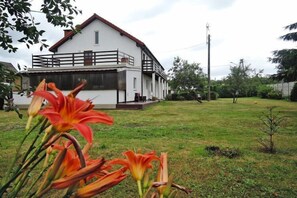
(31, 148)
(139, 188)
(12, 175)
(37, 179)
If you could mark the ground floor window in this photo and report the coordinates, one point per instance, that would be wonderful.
(106, 80)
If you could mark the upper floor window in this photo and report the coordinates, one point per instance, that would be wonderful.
(134, 83)
(96, 37)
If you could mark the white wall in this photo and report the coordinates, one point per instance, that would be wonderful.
(121, 96)
(109, 39)
(285, 88)
(130, 93)
(147, 84)
(98, 98)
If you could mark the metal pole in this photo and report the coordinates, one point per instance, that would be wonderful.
(208, 62)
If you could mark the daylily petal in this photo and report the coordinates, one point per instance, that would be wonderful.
(163, 172)
(78, 88)
(48, 96)
(95, 117)
(102, 184)
(77, 176)
(85, 131)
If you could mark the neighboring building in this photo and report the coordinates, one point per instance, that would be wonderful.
(116, 65)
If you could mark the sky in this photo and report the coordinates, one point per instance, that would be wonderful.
(239, 29)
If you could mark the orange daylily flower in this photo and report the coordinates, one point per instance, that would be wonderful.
(67, 112)
(77, 175)
(137, 163)
(67, 169)
(36, 103)
(102, 184)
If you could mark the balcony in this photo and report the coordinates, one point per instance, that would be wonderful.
(149, 66)
(86, 58)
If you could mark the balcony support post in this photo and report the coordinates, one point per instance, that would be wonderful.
(154, 84)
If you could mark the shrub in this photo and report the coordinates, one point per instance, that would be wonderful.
(154, 98)
(214, 95)
(264, 90)
(275, 94)
(293, 96)
(179, 97)
(182, 96)
(168, 97)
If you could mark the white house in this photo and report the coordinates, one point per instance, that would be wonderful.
(116, 65)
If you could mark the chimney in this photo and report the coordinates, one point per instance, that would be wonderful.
(67, 31)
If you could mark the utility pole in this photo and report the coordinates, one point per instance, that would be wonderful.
(208, 59)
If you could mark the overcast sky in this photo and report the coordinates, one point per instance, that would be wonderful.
(248, 29)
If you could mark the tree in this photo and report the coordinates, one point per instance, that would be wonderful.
(271, 123)
(185, 76)
(286, 58)
(293, 95)
(16, 16)
(237, 80)
(7, 79)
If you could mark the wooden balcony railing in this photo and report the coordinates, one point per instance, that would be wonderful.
(149, 66)
(86, 58)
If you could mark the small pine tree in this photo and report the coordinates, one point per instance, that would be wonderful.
(293, 96)
(271, 123)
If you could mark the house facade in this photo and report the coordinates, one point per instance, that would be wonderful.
(116, 65)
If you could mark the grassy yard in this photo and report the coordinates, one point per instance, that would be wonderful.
(184, 129)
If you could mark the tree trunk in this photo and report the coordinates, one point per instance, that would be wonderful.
(1, 103)
(271, 145)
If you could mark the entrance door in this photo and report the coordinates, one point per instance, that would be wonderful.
(88, 57)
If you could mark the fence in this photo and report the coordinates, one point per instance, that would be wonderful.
(284, 88)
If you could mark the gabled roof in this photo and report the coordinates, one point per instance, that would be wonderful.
(8, 66)
(70, 34)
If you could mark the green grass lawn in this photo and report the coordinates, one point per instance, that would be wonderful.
(184, 129)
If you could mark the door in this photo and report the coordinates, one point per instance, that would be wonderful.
(88, 57)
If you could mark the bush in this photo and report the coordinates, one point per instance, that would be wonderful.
(293, 96)
(264, 90)
(188, 95)
(214, 95)
(275, 94)
(182, 96)
(168, 97)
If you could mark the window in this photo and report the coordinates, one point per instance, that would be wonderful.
(96, 37)
(134, 83)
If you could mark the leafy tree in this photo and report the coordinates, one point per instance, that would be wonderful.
(293, 95)
(7, 79)
(286, 58)
(237, 80)
(186, 77)
(16, 16)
